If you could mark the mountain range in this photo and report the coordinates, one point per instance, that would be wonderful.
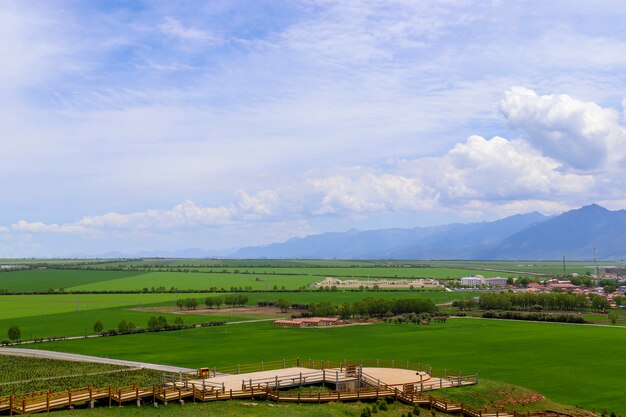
(575, 234)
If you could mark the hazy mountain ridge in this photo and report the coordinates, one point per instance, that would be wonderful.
(573, 234)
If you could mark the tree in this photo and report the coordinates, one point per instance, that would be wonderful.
(178, 322)
(122, 326)
(613, 315)
(153, 323)
(14, 333)
(283, 305)
(98, 326)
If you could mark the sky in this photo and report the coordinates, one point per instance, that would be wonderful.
(133, 126)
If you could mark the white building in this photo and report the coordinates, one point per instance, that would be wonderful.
(472, 281)
(496, 282)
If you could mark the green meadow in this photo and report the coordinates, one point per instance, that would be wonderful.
(74, 315)
(578, 365)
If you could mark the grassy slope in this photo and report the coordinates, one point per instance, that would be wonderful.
(241, 408)
(560, 361)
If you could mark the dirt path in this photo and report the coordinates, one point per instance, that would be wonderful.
(47, 354)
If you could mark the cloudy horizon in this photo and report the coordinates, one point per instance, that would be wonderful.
(224, 124)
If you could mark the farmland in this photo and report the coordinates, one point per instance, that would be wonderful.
(23, 374)
(539, 356)
(499, 350)
(74, 315)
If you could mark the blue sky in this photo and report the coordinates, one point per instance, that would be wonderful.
(131, 126)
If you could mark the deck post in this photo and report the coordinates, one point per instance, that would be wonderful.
(323, 376)
(215, 371)
(440, 383)
(301, 379)
(231, 393)
(459, 383)
(223, 387)
(276, 381)
(337, 380)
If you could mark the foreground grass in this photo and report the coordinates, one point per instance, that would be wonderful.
(560, 361)
(244, 408)
(495, 395)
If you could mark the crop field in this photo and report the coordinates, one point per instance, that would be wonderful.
(537, 267)
(40, 280)
(540, 356)
(23, 374)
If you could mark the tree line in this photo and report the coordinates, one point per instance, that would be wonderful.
(372, 307)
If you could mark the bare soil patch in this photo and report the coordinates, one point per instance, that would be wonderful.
(251, 310)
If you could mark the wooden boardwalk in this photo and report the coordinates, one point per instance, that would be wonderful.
(407, 385)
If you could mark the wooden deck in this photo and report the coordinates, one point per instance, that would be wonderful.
(355, 383)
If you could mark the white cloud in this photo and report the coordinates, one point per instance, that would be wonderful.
(581, 134)
(369, 193)
(173, 27)
(4, 229)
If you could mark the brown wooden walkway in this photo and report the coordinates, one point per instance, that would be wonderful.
(266, 383)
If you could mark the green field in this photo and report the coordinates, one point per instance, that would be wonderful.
(74, 315)
(560, 361)
(32, 280)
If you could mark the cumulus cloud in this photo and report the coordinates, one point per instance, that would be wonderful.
(497, 169)
(369, 193)
(475, 176)
(582, 135)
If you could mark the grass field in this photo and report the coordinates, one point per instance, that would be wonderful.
(560, 361)
(74, 315)
(43, 279)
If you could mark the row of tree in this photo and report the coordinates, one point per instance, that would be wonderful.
(536, 301)
(372, 307)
